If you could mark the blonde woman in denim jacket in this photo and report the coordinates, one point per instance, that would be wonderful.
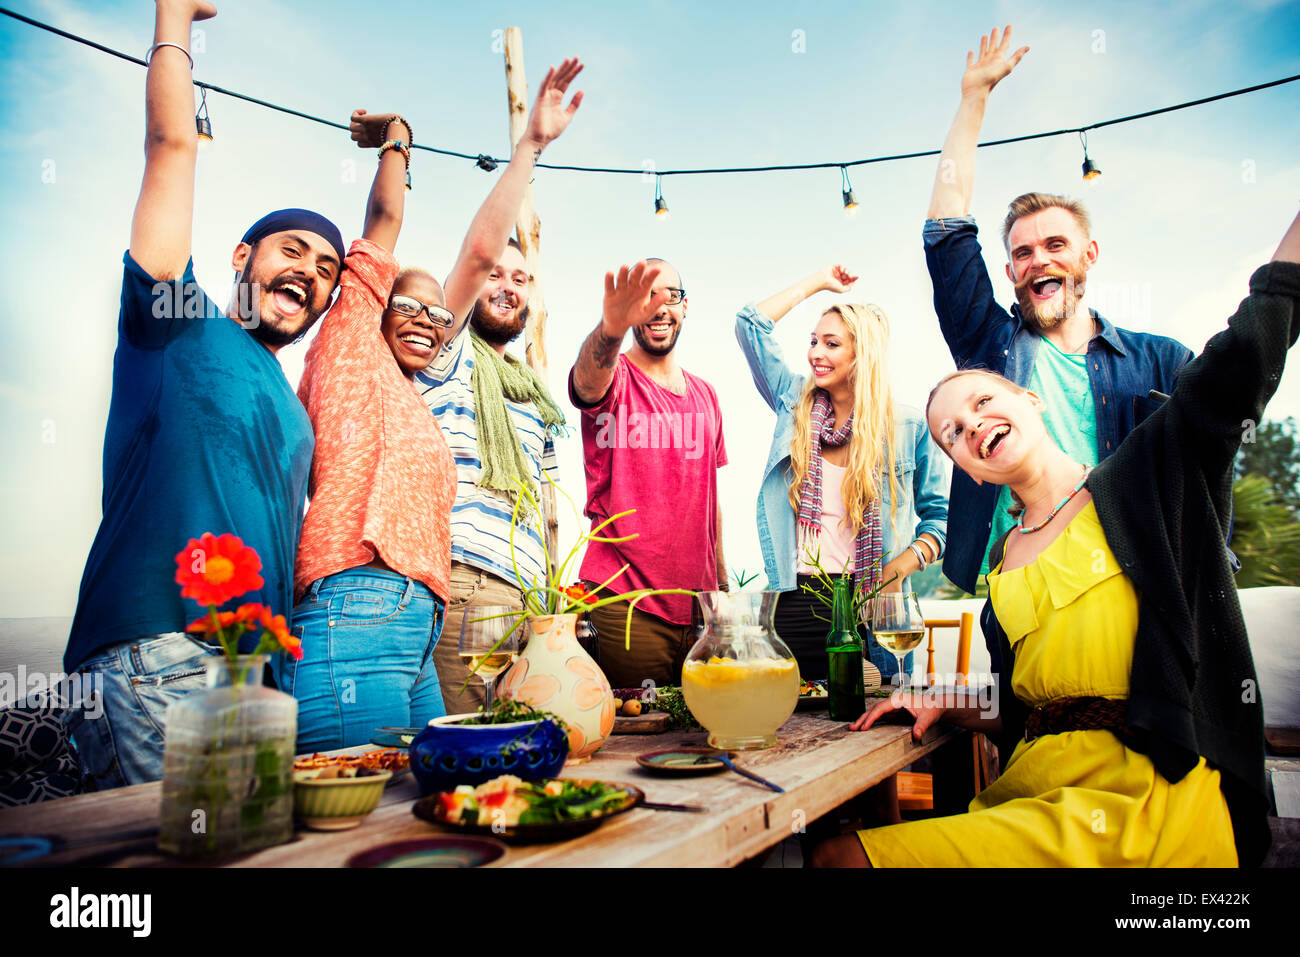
(843, 458)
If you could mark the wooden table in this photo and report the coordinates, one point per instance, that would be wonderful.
(819, 763)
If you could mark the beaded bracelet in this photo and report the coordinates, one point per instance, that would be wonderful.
(400, 147)
(398, 118)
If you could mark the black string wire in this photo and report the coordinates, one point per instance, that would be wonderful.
(484, 161)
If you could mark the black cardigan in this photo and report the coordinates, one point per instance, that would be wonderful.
(1165, 502)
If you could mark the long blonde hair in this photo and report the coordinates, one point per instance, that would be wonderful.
(872, 446)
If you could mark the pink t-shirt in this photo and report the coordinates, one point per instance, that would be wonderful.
(659, 453)
(836, 541)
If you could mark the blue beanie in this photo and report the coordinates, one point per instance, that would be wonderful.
(283, 220)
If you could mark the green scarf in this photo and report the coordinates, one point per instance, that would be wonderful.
(503, 463)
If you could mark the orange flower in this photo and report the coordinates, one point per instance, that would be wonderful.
(204, 625)
(212, 570)
(276, 627)
(578, 592)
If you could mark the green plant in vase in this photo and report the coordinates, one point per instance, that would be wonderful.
(228, 750)
(554, 672)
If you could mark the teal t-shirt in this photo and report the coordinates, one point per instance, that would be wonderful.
(1062, 382)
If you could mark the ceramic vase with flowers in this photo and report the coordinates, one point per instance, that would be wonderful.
(554, 673)
(228, 749)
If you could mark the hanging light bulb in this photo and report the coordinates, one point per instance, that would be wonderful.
(661, 204)
(1090, 169)
(202, 123)
(850, 201)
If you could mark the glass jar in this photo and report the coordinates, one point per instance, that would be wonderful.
(228, 764)
(740, 680)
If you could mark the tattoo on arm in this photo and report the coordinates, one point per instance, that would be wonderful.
(594, 369)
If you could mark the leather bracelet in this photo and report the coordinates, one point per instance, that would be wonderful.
(397, 118)
(148, 56)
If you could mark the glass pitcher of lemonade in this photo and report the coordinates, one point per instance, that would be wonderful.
(740, 680)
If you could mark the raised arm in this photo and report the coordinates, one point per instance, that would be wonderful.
(495, 220)
(955, 178)
(629, 301)
(831, 279)
(387, 201)
(164, 213)
(767, 365)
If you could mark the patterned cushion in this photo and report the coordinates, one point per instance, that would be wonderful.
(37, 762)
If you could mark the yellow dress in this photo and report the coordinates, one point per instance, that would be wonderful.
(1079, 798)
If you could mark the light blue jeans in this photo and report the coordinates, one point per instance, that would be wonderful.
(119, 740)
(367, 640)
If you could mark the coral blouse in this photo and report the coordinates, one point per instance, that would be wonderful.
(383, 480)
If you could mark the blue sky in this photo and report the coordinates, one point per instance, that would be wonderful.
(1188, 204)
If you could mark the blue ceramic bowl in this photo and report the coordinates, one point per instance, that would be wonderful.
(447, 753)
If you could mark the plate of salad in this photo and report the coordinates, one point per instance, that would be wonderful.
(527, 812)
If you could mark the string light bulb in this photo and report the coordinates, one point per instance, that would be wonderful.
(850, 201)
(1090, 169)
(661, 204)
(202, 122)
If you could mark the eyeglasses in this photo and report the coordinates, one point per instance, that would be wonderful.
(409, 306)
(673, 295)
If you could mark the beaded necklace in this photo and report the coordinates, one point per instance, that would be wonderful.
(1020, 521)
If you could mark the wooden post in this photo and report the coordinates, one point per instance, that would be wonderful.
(528, 229)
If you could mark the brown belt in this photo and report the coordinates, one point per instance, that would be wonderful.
(1079, 714)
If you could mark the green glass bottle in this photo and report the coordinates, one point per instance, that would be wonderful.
(844, 656)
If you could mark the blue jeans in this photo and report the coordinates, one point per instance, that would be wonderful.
(367, 640)
(120, 739)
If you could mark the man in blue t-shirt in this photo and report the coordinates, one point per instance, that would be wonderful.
(204, 433)
(1095, 379)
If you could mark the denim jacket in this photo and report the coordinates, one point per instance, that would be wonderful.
(921, 470)
(1123, 367)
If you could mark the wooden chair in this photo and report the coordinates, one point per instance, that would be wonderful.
(915, 790)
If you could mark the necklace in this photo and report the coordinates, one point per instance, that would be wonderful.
(1059, 505)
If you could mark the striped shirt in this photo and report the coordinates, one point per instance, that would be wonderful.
(480, 519)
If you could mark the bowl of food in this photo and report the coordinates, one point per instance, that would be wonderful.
(337, 796)
(509, 739)
(521, 811)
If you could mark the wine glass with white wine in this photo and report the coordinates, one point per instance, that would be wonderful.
(489, 638)
(897, 623)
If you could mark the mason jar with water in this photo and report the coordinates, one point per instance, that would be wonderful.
(228, 764)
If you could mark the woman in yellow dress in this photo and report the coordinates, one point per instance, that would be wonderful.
(1132, 677)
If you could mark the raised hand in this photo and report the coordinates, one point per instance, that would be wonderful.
(367, 131)
(549, 116)
(194, 10)
(629, 299)
(838, 279)
(985, 71)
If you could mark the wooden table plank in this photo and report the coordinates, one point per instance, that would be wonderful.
(819, 763)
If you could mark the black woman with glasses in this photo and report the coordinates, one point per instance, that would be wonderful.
(371, 580)
(374, 574)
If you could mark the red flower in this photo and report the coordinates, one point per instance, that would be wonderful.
(212, 570)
